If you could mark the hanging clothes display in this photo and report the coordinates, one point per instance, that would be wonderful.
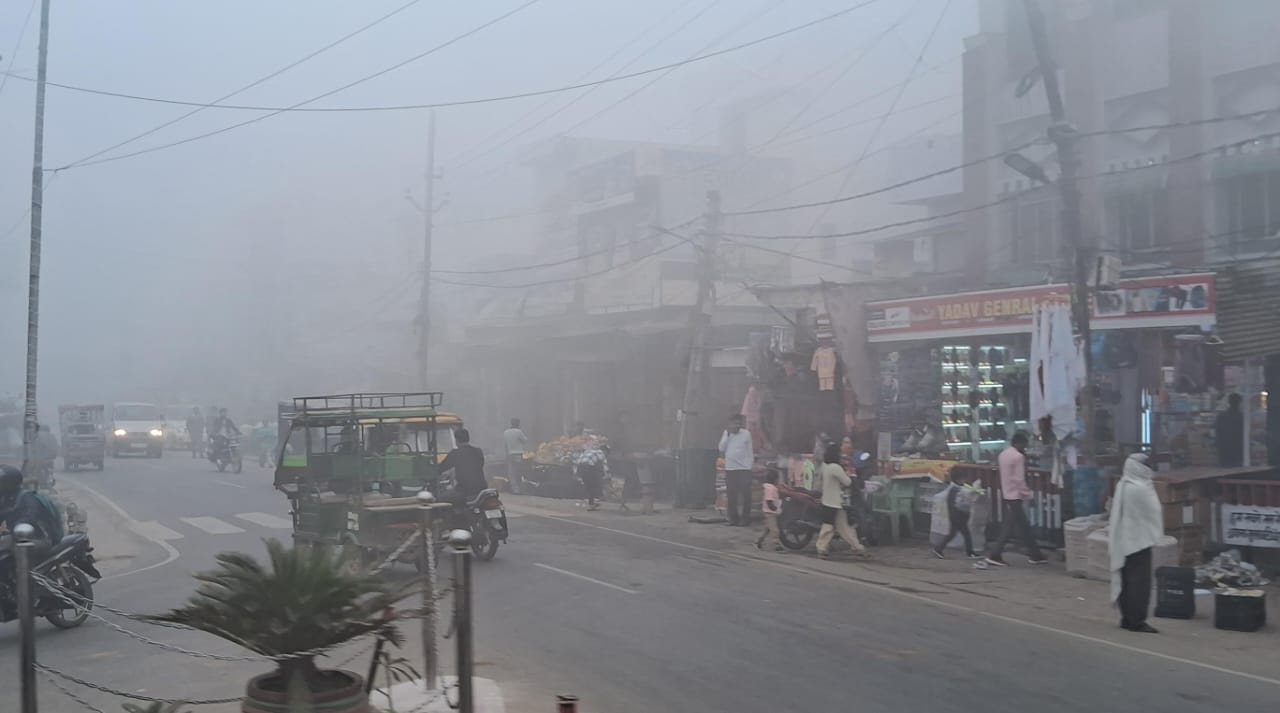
(752, 406)
(824, 363)
(1057, 368)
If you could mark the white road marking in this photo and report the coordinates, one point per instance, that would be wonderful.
(923, 599)
(212, 525)
(584, 578)
(263, 519)
(153, 530)
(171, 552)
(229, 484)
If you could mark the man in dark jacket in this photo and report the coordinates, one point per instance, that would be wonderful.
(21, 507)
(467, 463)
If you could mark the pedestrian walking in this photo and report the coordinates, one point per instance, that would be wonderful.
(960, 497)
(834, 519)
(1014, 492)
(771, 506)
(739, 459)
(1136, 525)
(515, 441)
(591, 464)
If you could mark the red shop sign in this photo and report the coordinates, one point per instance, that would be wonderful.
(1143, 302)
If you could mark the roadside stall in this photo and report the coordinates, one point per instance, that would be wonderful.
(551, 472)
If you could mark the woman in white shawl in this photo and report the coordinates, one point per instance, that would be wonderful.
(1136, 526)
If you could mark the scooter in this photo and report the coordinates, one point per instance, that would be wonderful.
(801, 516)
(70, 566)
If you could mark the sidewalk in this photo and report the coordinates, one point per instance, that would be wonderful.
(1044, 597)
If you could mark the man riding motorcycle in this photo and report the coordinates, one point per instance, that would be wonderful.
(221, 431)
(467, 463)
(18, 506)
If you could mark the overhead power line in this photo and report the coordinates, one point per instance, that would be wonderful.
(248, 86)
(565, 280)
(469, 155)
(301, 106)
(276, 112)
(1019, 194)
(17, 45)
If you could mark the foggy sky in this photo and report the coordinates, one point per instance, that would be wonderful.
(172, 261)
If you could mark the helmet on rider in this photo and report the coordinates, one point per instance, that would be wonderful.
(10, 483)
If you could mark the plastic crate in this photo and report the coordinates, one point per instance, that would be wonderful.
(1175, 592)
(1235, 612)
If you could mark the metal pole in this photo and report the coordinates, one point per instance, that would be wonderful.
(37, 231)
(461, 541)
(428, 210)
(1063, 136)
(427, 566)
(22, 535)
(699, 322)
(566, 704)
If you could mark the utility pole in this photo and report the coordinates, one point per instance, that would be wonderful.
(428, 212)
(37, 217)
(1081, 247)
(700, 324)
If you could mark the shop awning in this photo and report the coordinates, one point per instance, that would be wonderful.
(1248, 305)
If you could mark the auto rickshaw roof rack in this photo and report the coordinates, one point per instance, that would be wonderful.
(349, 407)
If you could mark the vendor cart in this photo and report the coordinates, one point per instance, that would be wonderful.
(84, 436)
(352, 465)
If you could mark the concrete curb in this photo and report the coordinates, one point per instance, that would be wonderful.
(411, 696)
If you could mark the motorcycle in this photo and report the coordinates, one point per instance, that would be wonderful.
(801, 516)
(70, 568)
(224, 451)
(487, 522)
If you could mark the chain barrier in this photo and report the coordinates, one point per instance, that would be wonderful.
(133, 696)
(70, 693)
(391, 558)
(69, 599)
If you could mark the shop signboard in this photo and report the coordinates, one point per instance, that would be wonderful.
(1250, 526)
(1145, 302)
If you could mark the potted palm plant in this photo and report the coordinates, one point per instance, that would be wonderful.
(300, 600)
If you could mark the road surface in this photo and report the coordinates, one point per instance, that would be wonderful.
(628, 623)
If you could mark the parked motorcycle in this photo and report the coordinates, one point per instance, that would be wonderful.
(801, 516)
(69, 566)
(224, 451)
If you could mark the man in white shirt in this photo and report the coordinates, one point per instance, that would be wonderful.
(515, 441)
(739, 459)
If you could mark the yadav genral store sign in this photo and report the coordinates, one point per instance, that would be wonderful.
(1137, 303)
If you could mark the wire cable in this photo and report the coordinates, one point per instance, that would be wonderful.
(249, 86)
(276, 112)
(457, 161)
(875, 134)
(17, 46)
(565, 280)
(765, 9)
(301, 106)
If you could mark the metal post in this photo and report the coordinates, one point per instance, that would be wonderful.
(428, 210)
(461, 541)
(37, 233)
(427, 566)
(699, 324)
(1063, 136)
(566, 704)
(22, 535)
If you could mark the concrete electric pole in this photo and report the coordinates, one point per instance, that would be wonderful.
(699, 325)
(1081, 246)
(424, 301)
(37, 224)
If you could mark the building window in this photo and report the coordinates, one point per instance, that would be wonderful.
(1137, 220)
(1034, 228)
(1248, 209)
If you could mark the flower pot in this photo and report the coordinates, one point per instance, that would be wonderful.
(266, 694)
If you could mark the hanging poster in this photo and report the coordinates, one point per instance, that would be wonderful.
(1250, 526)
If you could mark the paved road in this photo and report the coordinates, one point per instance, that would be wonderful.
(635, 624)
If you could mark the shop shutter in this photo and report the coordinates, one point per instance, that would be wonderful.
(1248, 310)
